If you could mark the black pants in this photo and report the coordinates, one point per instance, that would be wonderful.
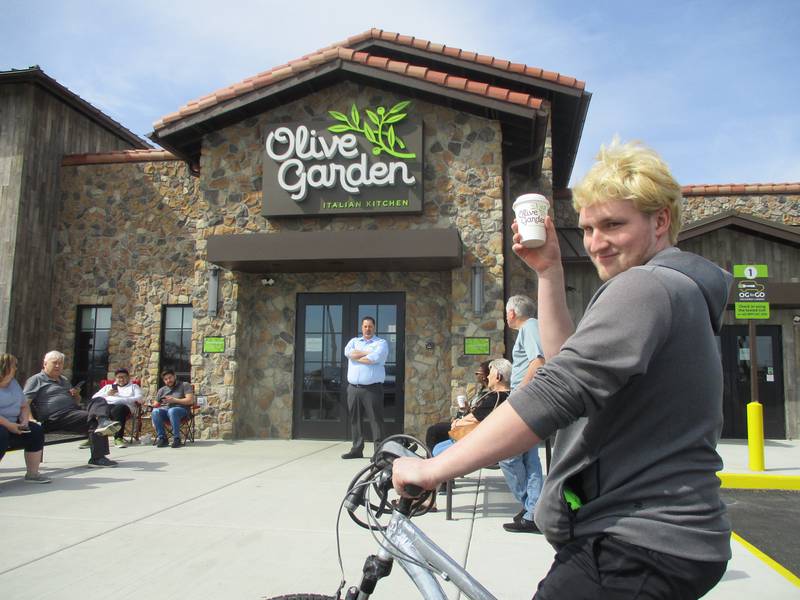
(603, 568)
(367, 400)
(437, 433)
(32, 442)
(119, 412)
(77, 420)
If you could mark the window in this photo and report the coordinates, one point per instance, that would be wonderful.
(91, 348)
(176, 341)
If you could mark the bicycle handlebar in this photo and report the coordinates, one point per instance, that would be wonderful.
(379, 472)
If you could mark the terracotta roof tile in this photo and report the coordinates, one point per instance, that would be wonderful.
(460, 83)
(736, 189)
(497, 93)
(378, 61)
(421, 44)
(418, 72)
(454, 52)
(341, 51)
(476, 87)
(118, 156)
(551, 75)
(397, 67)
(225, 94)
(517, 97)
(436, 77)
(258, 82)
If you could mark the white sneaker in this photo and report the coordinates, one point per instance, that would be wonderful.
(107, 427)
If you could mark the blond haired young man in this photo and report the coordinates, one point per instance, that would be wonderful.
(631, 502)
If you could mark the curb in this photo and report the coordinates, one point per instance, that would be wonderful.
(759, 481)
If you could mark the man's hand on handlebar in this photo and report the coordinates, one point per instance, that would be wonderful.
(413, 471)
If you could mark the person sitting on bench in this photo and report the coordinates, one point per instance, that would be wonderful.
(499, 376)
(16, 429)
(438, 432)
(54, 402)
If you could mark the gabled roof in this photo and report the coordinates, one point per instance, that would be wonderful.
(516, 94)
(307, 63)
(36, 76)
(742, 222)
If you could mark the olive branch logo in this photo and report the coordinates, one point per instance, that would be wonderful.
(381, 133)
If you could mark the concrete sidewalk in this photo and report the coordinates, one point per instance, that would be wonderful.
(254, 519)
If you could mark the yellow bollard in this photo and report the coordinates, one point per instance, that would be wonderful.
(755, 435)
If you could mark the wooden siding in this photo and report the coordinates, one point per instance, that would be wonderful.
(728, 247)
(38, 130)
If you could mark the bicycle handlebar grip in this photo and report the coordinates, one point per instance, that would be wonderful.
(413, 490)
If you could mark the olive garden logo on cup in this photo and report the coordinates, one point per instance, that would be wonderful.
(530, 210)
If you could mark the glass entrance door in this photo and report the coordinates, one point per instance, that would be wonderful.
(325, 323)
(735, 352)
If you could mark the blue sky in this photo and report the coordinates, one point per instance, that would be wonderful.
(711, 85)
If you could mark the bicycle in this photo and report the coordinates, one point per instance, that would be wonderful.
(400, 540)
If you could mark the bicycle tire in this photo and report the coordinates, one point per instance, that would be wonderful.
(302, 597)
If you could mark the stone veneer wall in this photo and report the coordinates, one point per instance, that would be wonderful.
(126, 239)
(463, 189)
(780, 208)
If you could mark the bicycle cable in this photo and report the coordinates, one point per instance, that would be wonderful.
(359, 493)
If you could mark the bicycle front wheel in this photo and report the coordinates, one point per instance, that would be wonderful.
(302, 597)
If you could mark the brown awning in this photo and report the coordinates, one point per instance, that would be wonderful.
(337, 251)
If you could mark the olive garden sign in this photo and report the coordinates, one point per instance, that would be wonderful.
(347, 164)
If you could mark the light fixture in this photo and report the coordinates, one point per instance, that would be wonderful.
(213, 290)
(477, 289)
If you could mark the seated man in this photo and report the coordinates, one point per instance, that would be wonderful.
(123, 397)
(438, 432)
(499, 376)
(174, 402)
(54, 402)
(16, 428)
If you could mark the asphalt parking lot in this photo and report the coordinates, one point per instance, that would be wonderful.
(768, 520)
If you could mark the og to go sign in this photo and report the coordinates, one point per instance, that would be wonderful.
(751, 296)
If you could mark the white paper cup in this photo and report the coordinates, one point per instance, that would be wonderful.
(530, 210)
(462, 401)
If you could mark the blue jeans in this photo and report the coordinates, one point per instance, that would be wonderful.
(174, 414)
(523, 475)
(441, 447)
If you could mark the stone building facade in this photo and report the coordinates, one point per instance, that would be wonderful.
(144, 230)
(136, 232)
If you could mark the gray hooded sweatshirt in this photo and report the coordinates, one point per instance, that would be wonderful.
(636, 397)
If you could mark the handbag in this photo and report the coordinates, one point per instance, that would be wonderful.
(460, 431)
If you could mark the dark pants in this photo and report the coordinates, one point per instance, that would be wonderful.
(437, 433)
(367, 400)
(119, 412)
(32, 442)
(82, 421)
(603, 568)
